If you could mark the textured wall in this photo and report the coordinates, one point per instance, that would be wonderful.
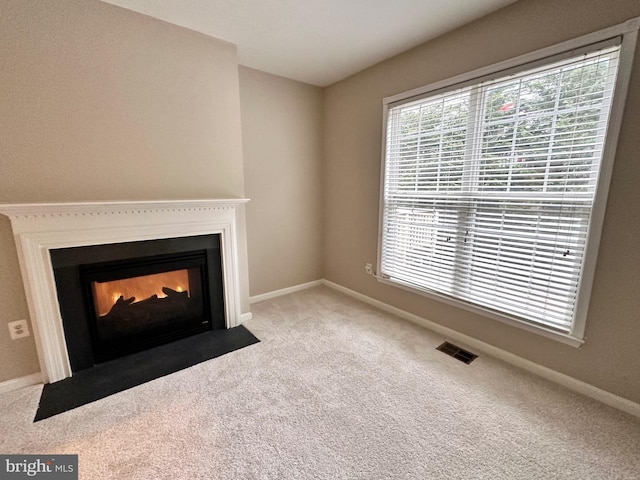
(351, 166)
(281, 137)
(100, 103)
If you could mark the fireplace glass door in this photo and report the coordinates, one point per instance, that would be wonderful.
(137, 304)
(132, 305)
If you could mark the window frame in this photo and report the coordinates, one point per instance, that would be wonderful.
(628, 31)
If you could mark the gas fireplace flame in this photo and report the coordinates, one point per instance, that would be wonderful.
(138, 289)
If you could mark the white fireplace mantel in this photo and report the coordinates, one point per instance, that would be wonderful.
(41, 227)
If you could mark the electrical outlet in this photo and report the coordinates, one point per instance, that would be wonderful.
(368, 268)
(18, 329)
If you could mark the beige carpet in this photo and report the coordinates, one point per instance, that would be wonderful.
(335, 390)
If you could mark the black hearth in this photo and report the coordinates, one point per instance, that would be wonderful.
(122, 298)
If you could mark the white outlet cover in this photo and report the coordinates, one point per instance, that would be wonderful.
(18, 329)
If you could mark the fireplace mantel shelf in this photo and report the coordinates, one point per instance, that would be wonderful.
(40, 227)
(21, 210)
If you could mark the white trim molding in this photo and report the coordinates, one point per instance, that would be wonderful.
(284, 291)
(41, 227)
(20, 382)
(565, 380)
(571, 383)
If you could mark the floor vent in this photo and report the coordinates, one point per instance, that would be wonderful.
(457, 352)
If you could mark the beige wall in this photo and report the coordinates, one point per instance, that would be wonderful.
(352, 153)
(281, 134)
(100, 103)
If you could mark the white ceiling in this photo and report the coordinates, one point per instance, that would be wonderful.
(317, 41)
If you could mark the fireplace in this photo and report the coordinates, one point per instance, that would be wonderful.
(42, 229)
(122, 298)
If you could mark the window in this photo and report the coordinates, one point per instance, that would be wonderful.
(493, 185)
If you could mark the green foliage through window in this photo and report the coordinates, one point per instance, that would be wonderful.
(489, 188)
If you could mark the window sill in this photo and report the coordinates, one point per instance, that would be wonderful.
(561, 337)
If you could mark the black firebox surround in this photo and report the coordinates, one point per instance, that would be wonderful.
(75, 267)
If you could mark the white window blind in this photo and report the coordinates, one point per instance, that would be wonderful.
(489, 187)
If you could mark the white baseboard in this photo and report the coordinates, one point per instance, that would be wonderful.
(285, 291)
(572, 383)
(20, 382)
(245, 317)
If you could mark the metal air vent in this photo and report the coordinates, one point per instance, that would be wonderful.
(457, 352)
